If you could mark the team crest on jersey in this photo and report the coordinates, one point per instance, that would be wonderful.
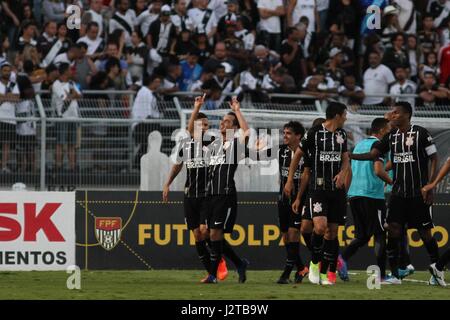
(339, 138)
(409, 141)
(108, 231)
(317, 207)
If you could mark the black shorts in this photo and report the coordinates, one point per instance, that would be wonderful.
(7, 132)
(286, 217)
(369, 215)
(222, 211)
(195, 211)
(306, 210)
(330, 204)
(413, 212)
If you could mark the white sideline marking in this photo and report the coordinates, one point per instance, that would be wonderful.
(407, 280)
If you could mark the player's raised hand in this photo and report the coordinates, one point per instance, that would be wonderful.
(199, 101)
(234, 104)
(296, 206)
(165, 194)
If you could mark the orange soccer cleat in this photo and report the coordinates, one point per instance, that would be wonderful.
(222, 271)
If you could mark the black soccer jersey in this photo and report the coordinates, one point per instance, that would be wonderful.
(285, 155)
(192, 153)
(409, 152)
(325, 149)
(223, 159)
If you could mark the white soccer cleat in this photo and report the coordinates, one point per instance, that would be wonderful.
(437, 275)
(391, 280)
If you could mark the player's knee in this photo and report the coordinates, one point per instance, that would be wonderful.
(320, 228)
(395, 230)
(307, 227)
(293, 235)
(216, 235)
(425, 235)
(198, 236)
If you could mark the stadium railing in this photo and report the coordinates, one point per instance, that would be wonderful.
(107, 152)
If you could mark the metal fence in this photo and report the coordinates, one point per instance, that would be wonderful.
(102, 148)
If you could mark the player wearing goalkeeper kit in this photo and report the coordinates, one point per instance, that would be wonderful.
(290, 221)
(326, 145)
(190, 152)
(367, 201)
(411, 148)
(437, 269)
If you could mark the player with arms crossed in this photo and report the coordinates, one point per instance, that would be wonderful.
(330, 166)
(411, 148)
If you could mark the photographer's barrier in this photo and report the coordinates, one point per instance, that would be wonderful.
(37, 230)
(136, 230)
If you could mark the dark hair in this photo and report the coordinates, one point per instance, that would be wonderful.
(335, 108)
(92, 24)
(406, 106)
(201, 115)
(235, 121)
(318, 121)
(97, 80)
(296, 127)
(111, 63)
(290, 31)
(82, 44)
(429, 73)
(396, 35)
(50, 68)
(63, 67)
(378, 124)
(47, 24)
(147, 80)
(427, 15)
(28, 66)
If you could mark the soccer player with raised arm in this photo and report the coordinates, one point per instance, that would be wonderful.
(326, 145)
(437, 268)
(223, 156)
(191, 153)
(411, 148)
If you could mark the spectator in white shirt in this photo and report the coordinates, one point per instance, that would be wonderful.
(204, 19)
(9, 95)
(377, 79)
(270, 12)
(145, 107)
(146, 18)
(64, 103)
(123, 19)
(403, 86)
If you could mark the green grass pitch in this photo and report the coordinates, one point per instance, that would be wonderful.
(176, 284)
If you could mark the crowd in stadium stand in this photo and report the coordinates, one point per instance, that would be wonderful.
(321, 48)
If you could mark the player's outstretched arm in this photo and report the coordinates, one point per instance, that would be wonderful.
(236, 108)
(303, 185)
(442, 173)
(372, 155)
(197, 105)
(289, 186)
(174, 171)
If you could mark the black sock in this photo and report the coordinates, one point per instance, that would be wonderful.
(203, 254)
(327, 256)
(440, 265)
(351, 249)
(380, 252)
(432, 249)
(291, 260)
(404, 259)
(230, 254)
(295, 248)
(216, 255)
(307, 238)
(335, 251)
(317, 245)
(392, 250)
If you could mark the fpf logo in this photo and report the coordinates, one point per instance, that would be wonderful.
(74, 18)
